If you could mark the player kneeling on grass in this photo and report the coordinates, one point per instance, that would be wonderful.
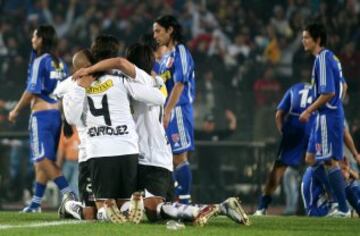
(137, 92)
(155, 164)
(315, 197)
(86, 208)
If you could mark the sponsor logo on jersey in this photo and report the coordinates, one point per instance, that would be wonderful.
(108, 130)
(57, 74)
(58, 68)
(100, 88)
(58, 71)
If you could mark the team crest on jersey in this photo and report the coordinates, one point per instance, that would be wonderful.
(60, 67)
(100, 88)
(169, 62)
(58, 72)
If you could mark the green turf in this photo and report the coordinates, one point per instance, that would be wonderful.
(269, 226)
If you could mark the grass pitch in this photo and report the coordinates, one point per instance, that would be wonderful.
(38, 224)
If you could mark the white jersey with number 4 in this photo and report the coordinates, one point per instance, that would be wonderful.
(110, 128)
(109, 123)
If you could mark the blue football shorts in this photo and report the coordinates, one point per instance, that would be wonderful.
(180, 130)
(327, 137)
(44, 129)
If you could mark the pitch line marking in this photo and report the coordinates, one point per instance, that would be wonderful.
(40, 224)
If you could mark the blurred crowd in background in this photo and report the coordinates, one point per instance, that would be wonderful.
(246, 50)
(247, 53)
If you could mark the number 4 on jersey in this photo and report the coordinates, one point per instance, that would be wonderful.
(103, 111)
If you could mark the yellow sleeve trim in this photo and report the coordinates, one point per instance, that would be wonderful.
(163, 90)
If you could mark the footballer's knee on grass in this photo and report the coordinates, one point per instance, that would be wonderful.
(120, 202)
(151, 205)
(89, 213)
(99, 204)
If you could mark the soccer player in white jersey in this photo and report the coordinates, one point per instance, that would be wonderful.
(81, 59)
(155, 151)
(112, 141)
(73, 110)
(155, 162)
(76, 105)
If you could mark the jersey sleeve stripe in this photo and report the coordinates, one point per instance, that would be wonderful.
(323, 69)
(36, 68)
(183, 59)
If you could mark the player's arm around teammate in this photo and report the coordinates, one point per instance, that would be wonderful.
(149, 94)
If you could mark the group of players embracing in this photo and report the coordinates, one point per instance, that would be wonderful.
(125, 158)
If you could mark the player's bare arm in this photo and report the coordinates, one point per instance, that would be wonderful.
(279, 120)
(85, 81)
(24, 101)
(349, 143)
(119, 63)
(345, 89)
(173, 99)
(322, 100)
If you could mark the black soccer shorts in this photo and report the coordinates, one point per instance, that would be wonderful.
(114, 177)
(155, 180)
(85, 187)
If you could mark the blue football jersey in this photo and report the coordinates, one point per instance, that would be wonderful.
(178, 66)
(296, 99)
(43, 76)
(327, 78)
(156, 67)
